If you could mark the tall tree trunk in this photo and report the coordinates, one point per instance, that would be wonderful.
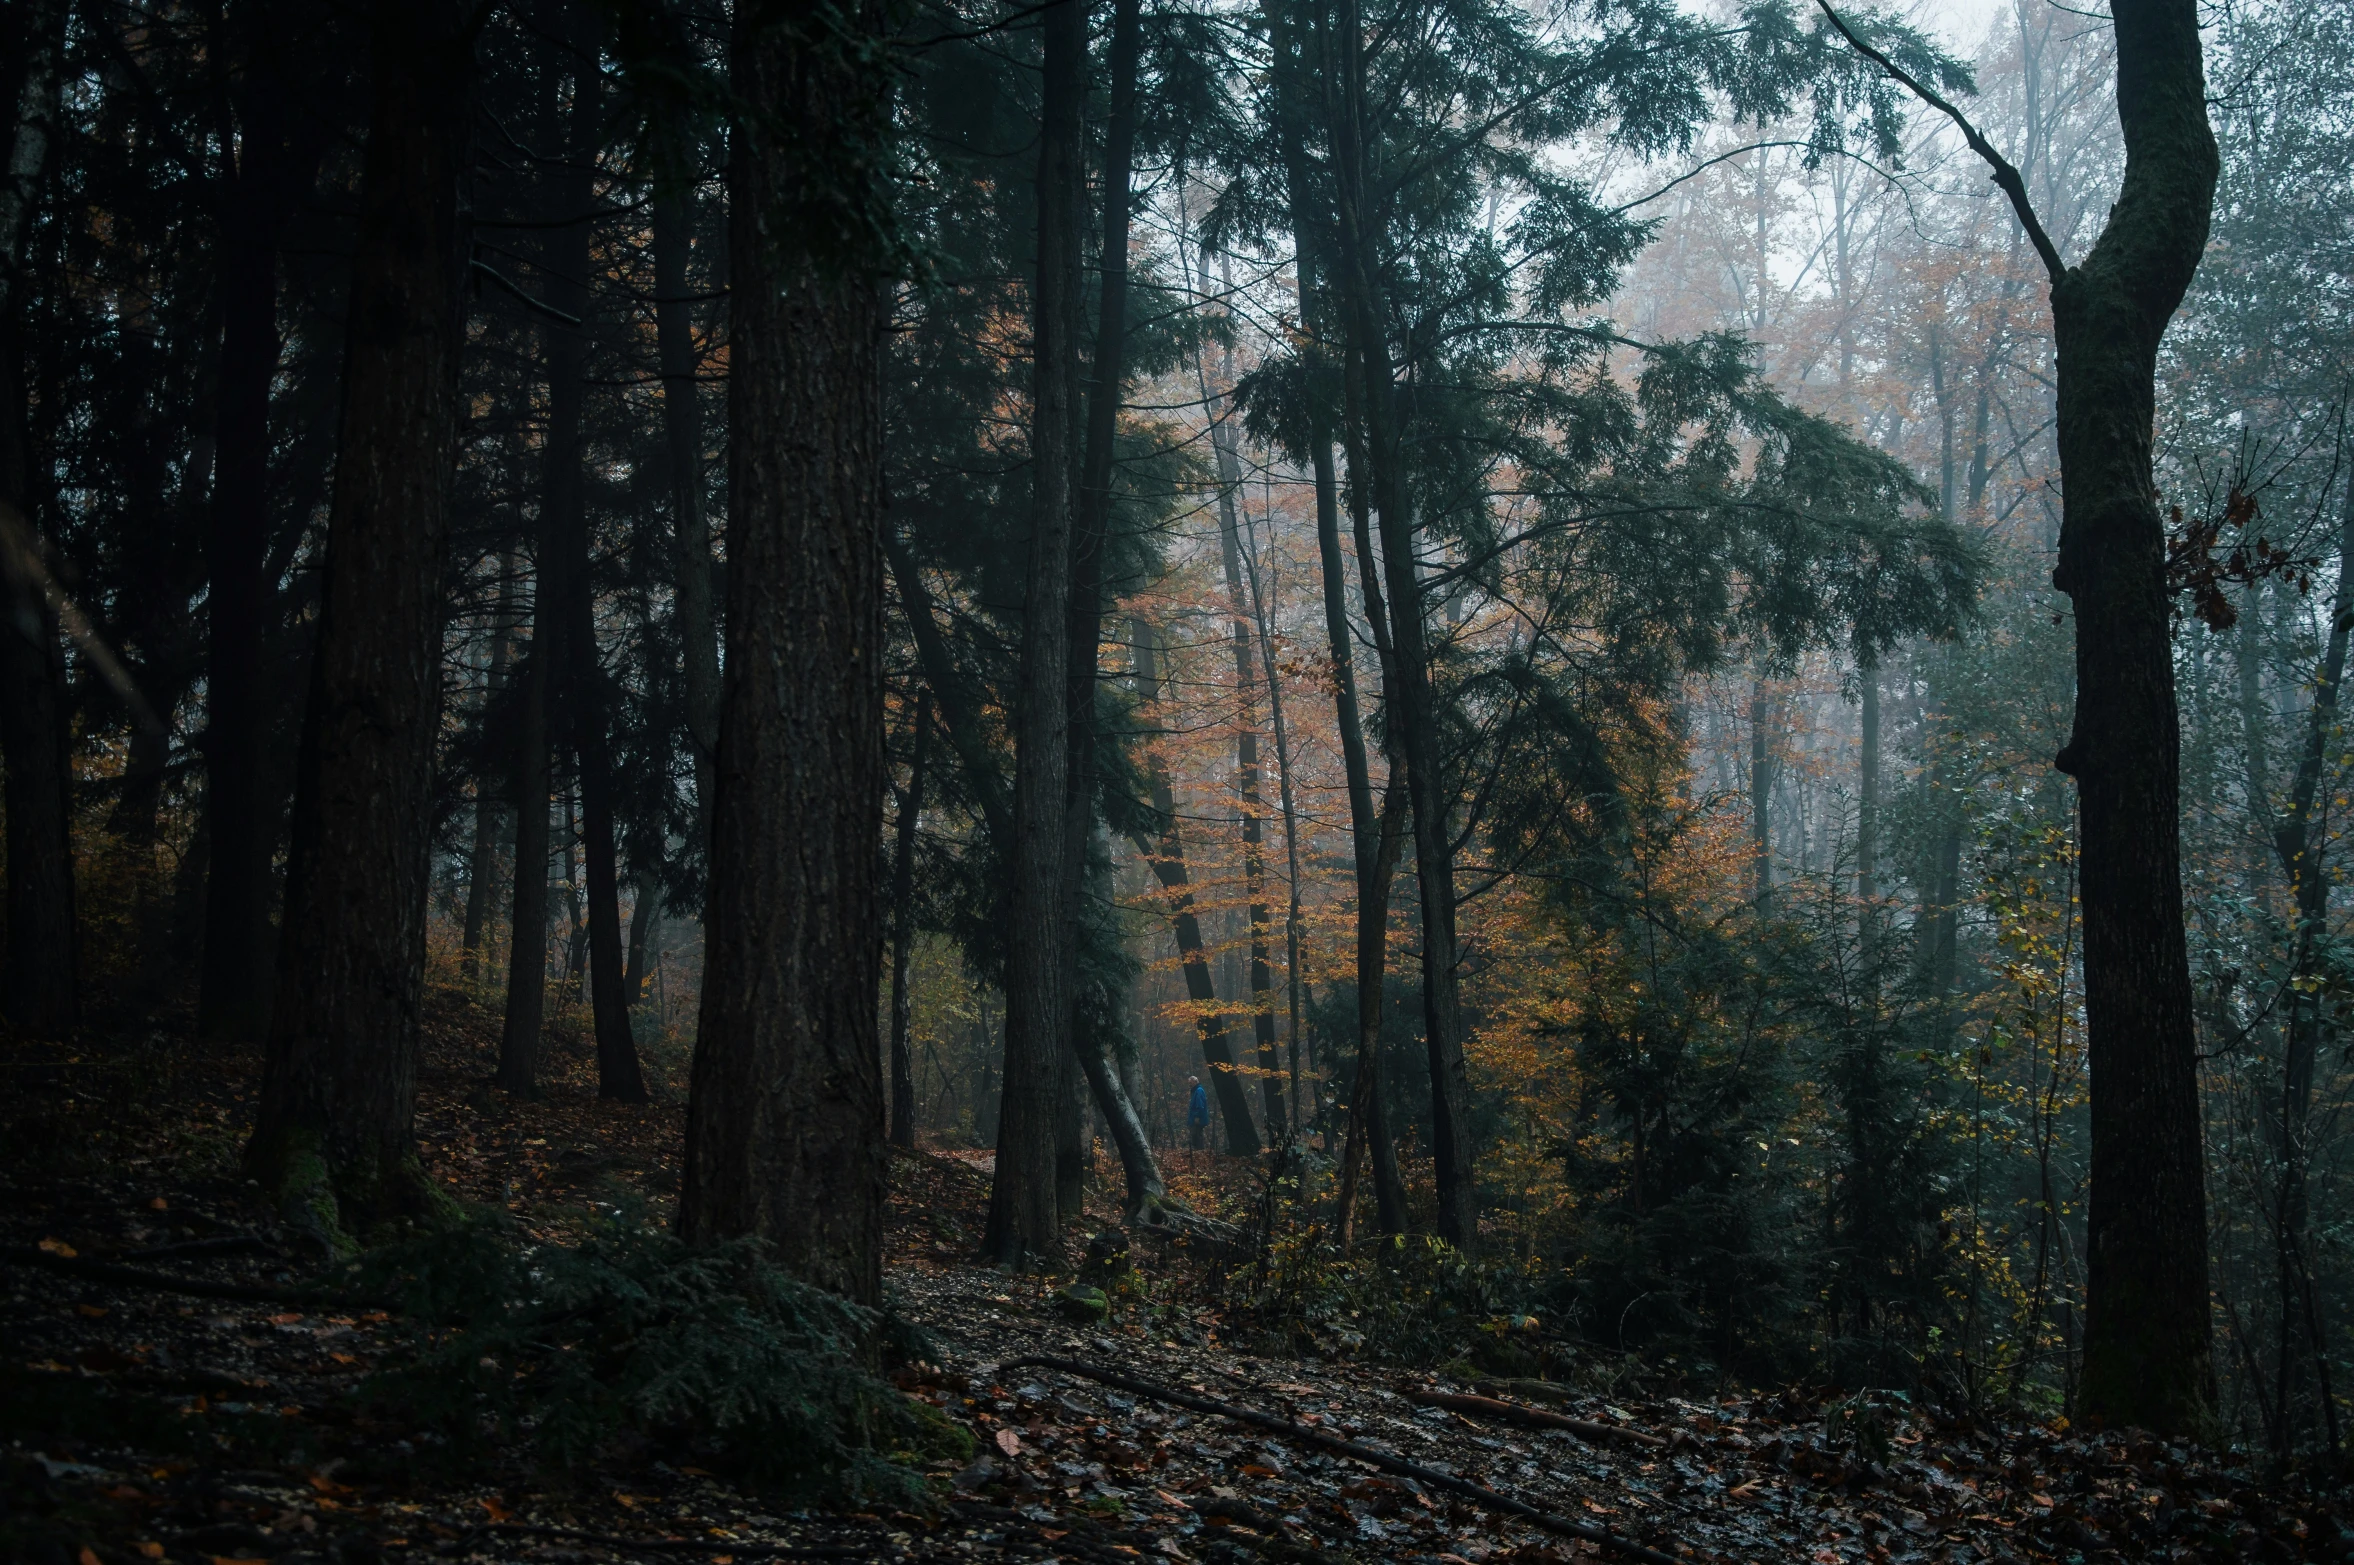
(333, 1138)
(1106, 383)
(2303, 859)
(785, 1133)
(233, 995)
(2147, 1345)
(483, 862)
(38, 974)
(585, 704)
(1246, 758)
(1167, 858)
(1413, 719)
(911, 809)
(527, 932)
(1375, 837)
(1867, 804)
(682, 429)
(1023, 1224)
(1761, 788)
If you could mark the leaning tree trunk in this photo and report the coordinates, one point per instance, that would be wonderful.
(233, 995)
(1024, 1224)
(38, 972)
(785, 1135)
(333, 1139)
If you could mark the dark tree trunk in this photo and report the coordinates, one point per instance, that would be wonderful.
(527, 933)
(785, 1133)
(1167, 858)
(233, 997)
(483, 862)
(1412, 718)
(911, 808)
(1867, 804)
(2147, 1353)
(1761, 789)
(2303, 857)
(1246, 764)
(39, 970)
(333, 1138)
(682, 429)
(1375, 837)
(585, 704)
(1088, 535)
(645, 912)
(1023, 1225)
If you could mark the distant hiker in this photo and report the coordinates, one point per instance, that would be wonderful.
(1197, 1115)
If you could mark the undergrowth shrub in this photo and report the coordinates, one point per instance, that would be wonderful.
(631, 1340)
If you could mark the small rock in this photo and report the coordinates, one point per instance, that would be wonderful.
(1083, 1303)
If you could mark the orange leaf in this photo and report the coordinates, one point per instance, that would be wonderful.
(287, 1319)
(159, 1204)
(93, 1311)
(498, 1512)
(151, 1549)
(59, 1247)
(88, 1557)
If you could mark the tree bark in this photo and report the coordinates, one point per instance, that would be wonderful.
(785, 1133)
(333, 1138)
(2147, 1345)
(1167, 858)
(1246, 761)
(483, 861)
(2303, 852)
(233, 996)
(1412, 719)
(1023, 1224)
(911, 808)
(527, 933)
(1867, 804)
(39, 969)
(682, 429)
(584, 707)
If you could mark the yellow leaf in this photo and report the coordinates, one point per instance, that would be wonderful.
(58, 1247)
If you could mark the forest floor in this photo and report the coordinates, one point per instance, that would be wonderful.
(146, 1425)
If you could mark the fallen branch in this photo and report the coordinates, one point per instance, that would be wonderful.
(1528, 1417)
(165, 1282)
(1316, 1439)
(740, 1549)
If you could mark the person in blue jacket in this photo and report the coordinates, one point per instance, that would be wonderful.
(1197, 1115)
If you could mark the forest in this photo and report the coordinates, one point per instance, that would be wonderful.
(1461, 780)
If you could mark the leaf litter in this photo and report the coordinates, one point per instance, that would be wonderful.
(243, 1439)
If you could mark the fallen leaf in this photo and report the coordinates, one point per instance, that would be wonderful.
(152, 1549)
(629, 1500)
(1009, 1442)
(93, 1311)
(59, 1247)
(498, 1512)
(1051, 1535)
(88, 1557)
(287, 1319)
(159, 1204)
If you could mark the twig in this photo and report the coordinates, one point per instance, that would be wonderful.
(165, 1282)
(227, 1244)
(483, 268)
(1530, 1417)
(2005, 174)
(1301, 1434)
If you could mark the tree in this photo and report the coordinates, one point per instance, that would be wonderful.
(333, 1138)
(785, 1133)
(39, 971)
(2147, 1351)
(1023, 1220)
